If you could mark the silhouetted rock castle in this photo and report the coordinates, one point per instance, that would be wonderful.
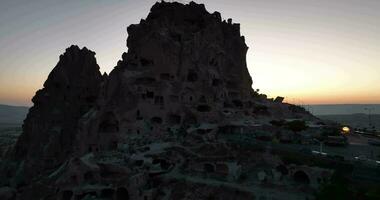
(184, 79)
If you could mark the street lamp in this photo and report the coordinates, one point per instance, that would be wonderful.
(369, 116)
(345, 130)
(320, 145)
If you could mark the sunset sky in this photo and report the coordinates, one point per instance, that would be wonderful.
(309, 51)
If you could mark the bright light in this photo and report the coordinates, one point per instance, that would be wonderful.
(346, 129)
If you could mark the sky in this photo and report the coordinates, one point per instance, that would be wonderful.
(309, 51)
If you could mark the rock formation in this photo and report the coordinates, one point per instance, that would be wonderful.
(49, 129)
(184, 66)
(164, 108)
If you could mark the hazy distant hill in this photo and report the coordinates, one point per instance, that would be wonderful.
(12, 114)
(11, 119)
(355, 120)
(343, 109)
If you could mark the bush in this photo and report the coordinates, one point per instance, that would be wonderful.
(336, 189)
(331, 131)
(277, 123)
(296, 125)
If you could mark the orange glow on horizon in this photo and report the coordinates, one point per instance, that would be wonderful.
(22, 95)
(324, 99)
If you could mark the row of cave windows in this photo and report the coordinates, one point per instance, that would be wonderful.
(159, 100)
(89, 99)
(204, 107)
(82, 89)
(191, 77)
(148, 80)
(142, 61)
(299, 176)
(120, 193)
(112, 125)
(145, 62)
(171, 119)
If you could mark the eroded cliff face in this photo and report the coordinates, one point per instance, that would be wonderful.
(185, 46)
(49, 129)
(184, 66)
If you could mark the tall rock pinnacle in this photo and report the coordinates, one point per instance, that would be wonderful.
(51, 124)
(183, 66)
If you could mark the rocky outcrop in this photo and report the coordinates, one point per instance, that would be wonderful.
(7, 193)
(51, 125)
(184, 66)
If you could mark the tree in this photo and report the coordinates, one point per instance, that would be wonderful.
(277, 123)
(337, 188)
(296, 126)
